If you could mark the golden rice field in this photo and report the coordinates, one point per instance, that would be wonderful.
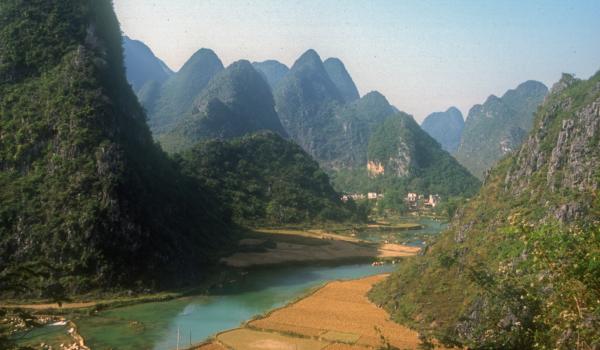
(336, 317)
(341, 307)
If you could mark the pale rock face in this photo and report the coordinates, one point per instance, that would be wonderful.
(375, 168)
(573, 153)
(402, 162)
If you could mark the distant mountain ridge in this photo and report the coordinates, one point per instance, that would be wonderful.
(498, 126)
(317, 105)
(176, 96)
(236, 102)
(272, 70)
(305, 100)
(446, 127)
(358, 120)
(142, 66)
(341, 78)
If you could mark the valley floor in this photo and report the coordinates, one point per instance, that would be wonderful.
(310, 246)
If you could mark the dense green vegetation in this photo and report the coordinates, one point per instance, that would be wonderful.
(236, 102)
(519, 266)
(83, 187)
(266, 180)
(498, 127)
(415, 162)
(446, 127)
(305, 100)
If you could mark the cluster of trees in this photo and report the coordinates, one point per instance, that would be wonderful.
(265, 179)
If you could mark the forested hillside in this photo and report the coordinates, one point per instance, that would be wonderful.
(267, 180)
(84, 191)
(519, 266)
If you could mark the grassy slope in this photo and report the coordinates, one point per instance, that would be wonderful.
(506, 274)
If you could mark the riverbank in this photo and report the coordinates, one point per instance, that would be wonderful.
(337, 316)
(298, 259)
(276, 247)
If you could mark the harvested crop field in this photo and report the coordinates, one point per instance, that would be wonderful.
(336, 317)
(249, 339)
(211, 346)
(342, 309)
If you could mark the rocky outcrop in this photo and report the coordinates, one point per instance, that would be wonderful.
(561, 154)
(375, 168)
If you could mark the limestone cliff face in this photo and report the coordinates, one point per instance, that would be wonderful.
(402, 162)
(375, 168)
(561, 154)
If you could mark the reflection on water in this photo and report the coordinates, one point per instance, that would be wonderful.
(155, 325)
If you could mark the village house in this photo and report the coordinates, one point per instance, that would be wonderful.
(353, 196)
(433, 201)
(412, 197)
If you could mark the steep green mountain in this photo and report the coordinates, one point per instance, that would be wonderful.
(306, 100)
(446, 127)
(142, 66)
(266, 178)
(273, 71)
(340, 136)
(402, 157)
(341, 78)
(519, 266)
(357, 122)
(237, 101)
(83, 188)
(498, 127)
(177, 95)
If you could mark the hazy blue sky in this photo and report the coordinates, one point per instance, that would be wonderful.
(423, 55)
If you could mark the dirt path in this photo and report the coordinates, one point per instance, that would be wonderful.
(337, 316)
